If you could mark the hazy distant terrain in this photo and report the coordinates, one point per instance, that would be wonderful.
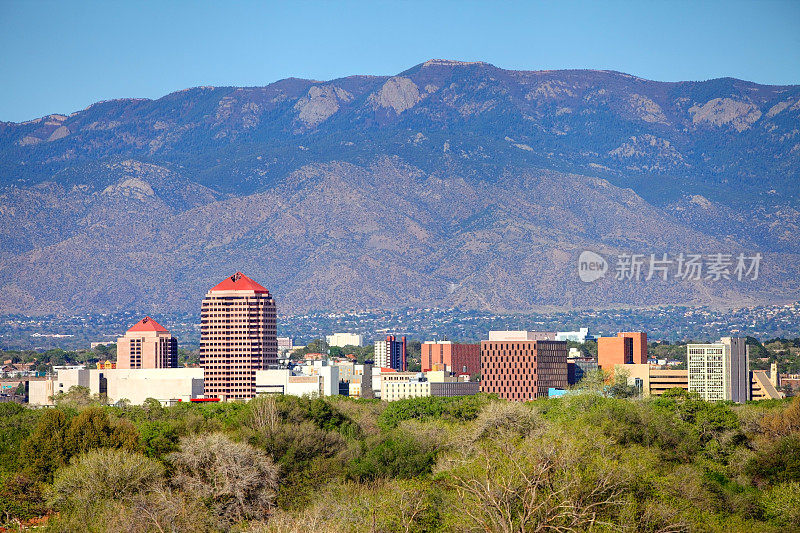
(450, 184)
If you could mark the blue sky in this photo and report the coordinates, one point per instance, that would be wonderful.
(60, 56)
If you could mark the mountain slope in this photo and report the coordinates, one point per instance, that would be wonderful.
(449, 184)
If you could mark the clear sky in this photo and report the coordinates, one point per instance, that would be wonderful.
(61, 56)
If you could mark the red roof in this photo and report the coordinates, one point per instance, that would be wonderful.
(239, 282)
(148, 324)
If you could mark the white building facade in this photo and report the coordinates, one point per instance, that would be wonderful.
(720, 371)
(167, 385)
(345, 339)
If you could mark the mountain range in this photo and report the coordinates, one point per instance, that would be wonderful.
(451, 184)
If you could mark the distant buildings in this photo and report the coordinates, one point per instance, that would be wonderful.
(147, 344)
(578, 366)
(651, 380)
(765, 386)
(455, 358)
(522, 365)
(522, 335)
(625, 349)
(285, 344)
(391, 353)
(582, 335)
(720, 371)
(317, 379)
(238, 337)
(345, 339)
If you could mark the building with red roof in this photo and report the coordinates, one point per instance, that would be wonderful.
(147, 344)
(238, 336)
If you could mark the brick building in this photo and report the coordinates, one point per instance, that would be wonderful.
(238, 336)
(456, 358)
(628, 348)
(522, 370)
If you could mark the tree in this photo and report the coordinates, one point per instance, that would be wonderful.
(21, 498)
(110, 474)
(783, 422)
(234, 479)
(76, 396)
(264, 413)
(45, 449)
(564, 482)
(57, 438)
(92, 428)
(397, 455)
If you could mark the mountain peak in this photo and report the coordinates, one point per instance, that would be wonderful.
(453, 63)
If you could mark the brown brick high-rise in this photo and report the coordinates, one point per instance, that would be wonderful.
(238, 335)
(522, 370)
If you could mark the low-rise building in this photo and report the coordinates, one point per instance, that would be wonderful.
(311, 380)
(651, 380)
(402, 385)
(167, 385)
(762, 386)
(408, 388)
(455, 388)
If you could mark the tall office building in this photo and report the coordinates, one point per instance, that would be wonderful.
(456, 358)
(147, 344)
(238, 336)
(521, 366)
(720, 371)
(628, 348)
(391, 353)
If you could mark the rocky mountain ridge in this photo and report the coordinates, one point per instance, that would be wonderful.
(448, 184)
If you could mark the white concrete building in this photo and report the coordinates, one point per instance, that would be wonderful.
(167, 385)
(400, 390)
(345, 339)
(720, 371)
(312, 380)
(401, 385)
(576, 336)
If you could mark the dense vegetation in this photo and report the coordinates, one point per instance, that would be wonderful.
(278, 464)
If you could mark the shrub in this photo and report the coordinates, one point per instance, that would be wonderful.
(105, 474)
(233, 479)
(395, 455)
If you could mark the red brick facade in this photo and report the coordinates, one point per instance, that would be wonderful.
(523, 370)
(458, 358)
